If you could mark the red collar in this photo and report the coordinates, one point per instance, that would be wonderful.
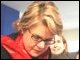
(16, 50)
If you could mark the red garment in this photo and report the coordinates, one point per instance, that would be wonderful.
(16, 50)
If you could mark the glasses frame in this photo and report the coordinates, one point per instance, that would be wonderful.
(39, 39)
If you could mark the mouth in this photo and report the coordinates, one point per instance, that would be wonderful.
(37, 50)
(56, 49)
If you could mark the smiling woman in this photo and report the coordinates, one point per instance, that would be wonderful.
(36, 29)
(59, 48)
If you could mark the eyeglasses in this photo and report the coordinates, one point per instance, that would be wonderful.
(38, 39)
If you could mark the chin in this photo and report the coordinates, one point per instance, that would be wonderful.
(34, 54)
(58, 53)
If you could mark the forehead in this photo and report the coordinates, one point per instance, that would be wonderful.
(57, 37)
(41, 30)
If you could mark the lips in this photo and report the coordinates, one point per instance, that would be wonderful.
(56, 49)
(37, 50)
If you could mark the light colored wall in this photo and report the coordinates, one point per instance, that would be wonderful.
(71, 34)
(72, 38)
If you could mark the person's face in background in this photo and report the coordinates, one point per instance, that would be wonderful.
(58, 47)
(30, 43)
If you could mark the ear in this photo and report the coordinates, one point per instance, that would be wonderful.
(22, 31)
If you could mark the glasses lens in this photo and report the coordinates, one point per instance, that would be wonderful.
(49, 42)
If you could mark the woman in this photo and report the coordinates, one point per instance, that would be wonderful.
(59, 48)
(35, 31)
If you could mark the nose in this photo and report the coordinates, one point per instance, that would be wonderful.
(41, 44)
(55, 45)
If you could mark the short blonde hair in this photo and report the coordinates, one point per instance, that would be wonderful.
(37, 12)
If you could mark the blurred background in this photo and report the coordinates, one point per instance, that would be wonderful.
(69, 10)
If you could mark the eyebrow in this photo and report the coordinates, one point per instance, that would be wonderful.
(48, 39)
(38, 36)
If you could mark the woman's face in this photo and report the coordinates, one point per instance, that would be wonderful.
(58, 46)
(31, 45)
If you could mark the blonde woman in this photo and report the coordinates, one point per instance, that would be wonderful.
(35, 31)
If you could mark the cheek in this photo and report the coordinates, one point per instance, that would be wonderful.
(28, 43)
(61, 48)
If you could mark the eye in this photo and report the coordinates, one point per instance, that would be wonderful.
(58, 41)
(35, 37)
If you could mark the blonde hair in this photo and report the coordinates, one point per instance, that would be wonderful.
(41, 11)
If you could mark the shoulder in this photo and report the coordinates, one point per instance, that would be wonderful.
(72, 55)
(6, 40)
(61, 56)
(12, 36)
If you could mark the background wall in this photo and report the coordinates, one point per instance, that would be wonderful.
(8, 16)
(72, 37)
